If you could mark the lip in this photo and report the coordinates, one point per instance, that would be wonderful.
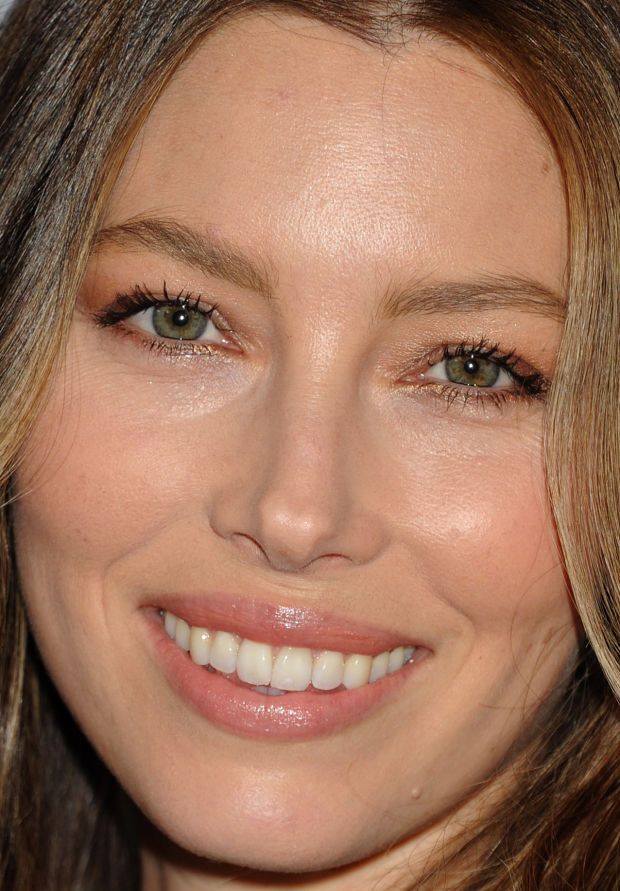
(281, 624)
(241, 710)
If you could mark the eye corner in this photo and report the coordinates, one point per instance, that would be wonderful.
(497, 376)
(179, 321)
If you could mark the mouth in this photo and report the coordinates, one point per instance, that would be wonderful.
(308, 674)
(276, 671)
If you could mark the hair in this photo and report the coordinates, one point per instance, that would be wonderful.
(77, 79)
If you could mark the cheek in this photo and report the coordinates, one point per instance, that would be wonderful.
(114, 459)
(494, 530)
(481, 535)
(114, 465)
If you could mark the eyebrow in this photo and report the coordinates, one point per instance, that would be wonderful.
(217, 257)
(205, 252)
(486, 293)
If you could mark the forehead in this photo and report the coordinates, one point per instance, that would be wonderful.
(310, 146)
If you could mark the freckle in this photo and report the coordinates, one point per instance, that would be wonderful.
(280, 94)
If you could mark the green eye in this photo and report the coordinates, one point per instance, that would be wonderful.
(178, 322)
(488, 369)
(183, 319)
(472, 370)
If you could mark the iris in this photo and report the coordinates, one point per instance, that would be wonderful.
(472, 371)
(179, 322)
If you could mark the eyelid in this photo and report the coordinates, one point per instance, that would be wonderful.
(117, 314)
(139, 298)
(505, 361)
(508, 360)
(529, 384)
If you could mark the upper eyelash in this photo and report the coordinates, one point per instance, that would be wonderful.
(140, 297)
(532, 384)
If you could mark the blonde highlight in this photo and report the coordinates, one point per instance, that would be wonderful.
(81, 96)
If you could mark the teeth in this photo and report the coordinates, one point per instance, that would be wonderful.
(224, 651)
(292, 669)
(328, 670)
(200, 641)
(276, 670)
(356, 671)
(379, 667)
(395, 659)
(170, 624)
(254, 663)
(181, 634)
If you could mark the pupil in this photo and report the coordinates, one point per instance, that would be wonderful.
(180, 318)
(472, 366)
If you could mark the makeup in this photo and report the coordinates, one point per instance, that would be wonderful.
(291, 637)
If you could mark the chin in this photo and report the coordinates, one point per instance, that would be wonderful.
(303, 845)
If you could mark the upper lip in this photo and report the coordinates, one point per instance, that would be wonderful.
(280, 624)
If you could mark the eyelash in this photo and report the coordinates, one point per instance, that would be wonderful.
(530, 385)
(140, 298)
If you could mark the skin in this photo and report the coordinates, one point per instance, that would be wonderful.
(366, 492)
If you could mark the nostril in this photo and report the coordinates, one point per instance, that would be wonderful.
(329, 561)
(249, 545)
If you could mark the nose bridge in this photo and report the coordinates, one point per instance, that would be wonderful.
(305, 492)
(305, 498)
(309, 428)
(302, 490)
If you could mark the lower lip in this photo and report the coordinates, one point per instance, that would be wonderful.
(293, 716)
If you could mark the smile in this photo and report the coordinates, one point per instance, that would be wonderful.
(309, 673)
(273, 670)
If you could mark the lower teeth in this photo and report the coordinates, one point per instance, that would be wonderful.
(269, 691)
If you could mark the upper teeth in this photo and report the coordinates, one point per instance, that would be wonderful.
(275, 669)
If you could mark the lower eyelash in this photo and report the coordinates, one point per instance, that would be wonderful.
(529, 385)
(171, 349)
(141, 298)
(479, 396)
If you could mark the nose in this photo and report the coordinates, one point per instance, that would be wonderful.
(302, 493)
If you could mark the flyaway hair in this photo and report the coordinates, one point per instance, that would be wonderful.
(77, 79)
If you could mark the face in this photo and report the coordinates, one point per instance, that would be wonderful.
(302, 406)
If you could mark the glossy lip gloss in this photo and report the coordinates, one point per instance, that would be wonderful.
(293, 716)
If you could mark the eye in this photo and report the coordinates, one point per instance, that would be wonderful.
(173, 325)
(177, 321)
(471, 369)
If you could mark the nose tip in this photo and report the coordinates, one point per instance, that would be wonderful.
(294, 556)
(294, 515)
(304, 490)
(297, 531)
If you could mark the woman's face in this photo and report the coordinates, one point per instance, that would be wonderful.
(345, 456)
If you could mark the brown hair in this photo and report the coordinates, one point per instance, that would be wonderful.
(76, 80)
